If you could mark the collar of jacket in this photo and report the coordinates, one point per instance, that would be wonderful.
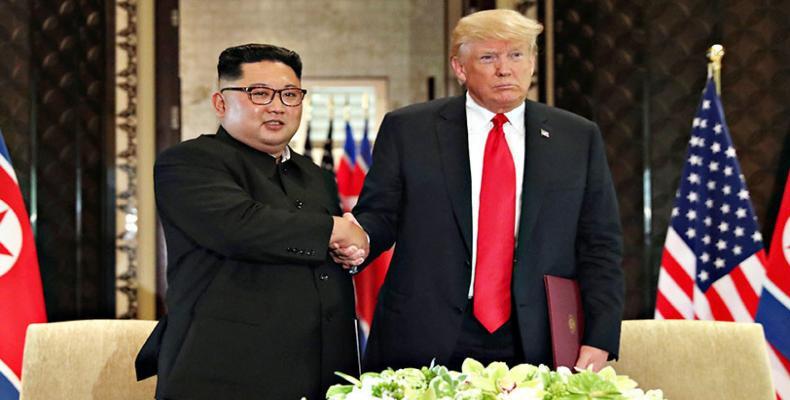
(225, 137)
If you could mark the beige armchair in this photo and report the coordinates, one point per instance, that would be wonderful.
(91, 359)
(697, 359)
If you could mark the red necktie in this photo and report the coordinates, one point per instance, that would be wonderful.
(495, 231)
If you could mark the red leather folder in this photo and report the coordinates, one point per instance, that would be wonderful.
(566, 318)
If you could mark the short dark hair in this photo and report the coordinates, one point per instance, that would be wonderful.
(231, 59)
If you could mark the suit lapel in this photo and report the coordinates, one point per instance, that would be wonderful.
(452, 137)
(537, 158)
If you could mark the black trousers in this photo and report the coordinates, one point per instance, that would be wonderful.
(476, 342)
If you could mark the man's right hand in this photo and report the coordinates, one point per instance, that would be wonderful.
(349, 243)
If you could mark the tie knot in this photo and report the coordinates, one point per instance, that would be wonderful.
(499, 120)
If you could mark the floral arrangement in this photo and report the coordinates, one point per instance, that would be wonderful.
(494, 382)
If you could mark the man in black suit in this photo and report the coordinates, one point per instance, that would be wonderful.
(482, 195)
(256, 308)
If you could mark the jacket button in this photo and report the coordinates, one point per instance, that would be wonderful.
(301, 252)
(299, 204)
(324, 276)
(515, 260)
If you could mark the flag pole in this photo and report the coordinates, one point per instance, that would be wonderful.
(715, 54)
(346, 109)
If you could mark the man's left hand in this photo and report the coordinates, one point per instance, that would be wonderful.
(591, 356)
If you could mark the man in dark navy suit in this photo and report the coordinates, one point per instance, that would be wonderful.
(482, 195)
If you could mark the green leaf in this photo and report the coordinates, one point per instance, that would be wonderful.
(349, 378)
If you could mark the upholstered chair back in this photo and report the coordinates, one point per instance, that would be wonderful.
(697, 359)
(90, 359)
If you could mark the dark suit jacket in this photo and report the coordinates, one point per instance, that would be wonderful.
(418, 195)
(256, 309)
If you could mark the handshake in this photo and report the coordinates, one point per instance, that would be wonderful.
(349, 244)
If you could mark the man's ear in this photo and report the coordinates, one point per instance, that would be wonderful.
(458, 68)
(219, 104)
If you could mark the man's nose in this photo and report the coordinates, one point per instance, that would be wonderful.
(503, 68)
(275, 106)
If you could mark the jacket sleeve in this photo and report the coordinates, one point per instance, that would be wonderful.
(197, 193)
(599, 253)
(379, 202)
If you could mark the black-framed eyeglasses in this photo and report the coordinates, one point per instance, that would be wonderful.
(262, 95)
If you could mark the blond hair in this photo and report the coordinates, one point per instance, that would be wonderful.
(500, 24)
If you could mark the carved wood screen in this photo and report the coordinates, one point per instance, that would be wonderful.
(638, 68)
(56, 114)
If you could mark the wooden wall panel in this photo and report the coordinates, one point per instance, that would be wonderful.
(58, 108)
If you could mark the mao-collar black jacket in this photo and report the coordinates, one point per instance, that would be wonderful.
(256, 308)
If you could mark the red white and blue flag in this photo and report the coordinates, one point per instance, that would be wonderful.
(350, 177)
(21, 296)
(349, 174)
(713, 264)
(774, 309)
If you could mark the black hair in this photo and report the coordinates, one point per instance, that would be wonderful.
(231, 59)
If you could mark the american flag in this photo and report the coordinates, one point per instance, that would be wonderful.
(713, 263)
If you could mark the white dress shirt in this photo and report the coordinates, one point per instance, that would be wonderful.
(479, 124)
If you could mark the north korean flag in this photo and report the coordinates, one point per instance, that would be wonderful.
(21, 296)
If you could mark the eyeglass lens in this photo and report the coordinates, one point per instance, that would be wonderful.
(289, 97)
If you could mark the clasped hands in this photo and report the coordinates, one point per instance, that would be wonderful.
(349, 244)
